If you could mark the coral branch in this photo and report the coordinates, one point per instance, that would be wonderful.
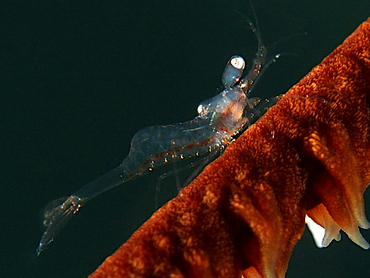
(309, 154)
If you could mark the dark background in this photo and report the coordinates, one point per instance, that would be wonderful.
(79, 79)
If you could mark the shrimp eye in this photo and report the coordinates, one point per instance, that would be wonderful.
(233, 71)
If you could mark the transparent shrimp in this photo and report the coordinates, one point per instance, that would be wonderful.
(219, 119)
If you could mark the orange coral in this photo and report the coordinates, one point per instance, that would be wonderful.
(309, 154)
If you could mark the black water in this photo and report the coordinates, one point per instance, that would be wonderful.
(78, 79)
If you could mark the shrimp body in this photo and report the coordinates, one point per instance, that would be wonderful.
(210, 132)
